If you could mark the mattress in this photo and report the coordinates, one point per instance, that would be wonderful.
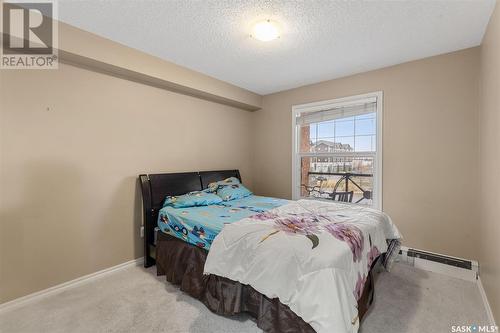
(200, 225)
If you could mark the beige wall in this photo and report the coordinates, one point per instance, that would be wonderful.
(430, 142)
(69, 202)
(489, 230)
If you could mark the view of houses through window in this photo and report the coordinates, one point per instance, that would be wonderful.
(337, 153)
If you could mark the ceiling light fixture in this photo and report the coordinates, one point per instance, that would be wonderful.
(265, 31)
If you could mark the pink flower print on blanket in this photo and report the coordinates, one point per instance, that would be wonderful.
(360, 285)
(264, 216)
(350, 234)
(372, 255)
(293, 224)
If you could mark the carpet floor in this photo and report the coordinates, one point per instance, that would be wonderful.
(407, 300)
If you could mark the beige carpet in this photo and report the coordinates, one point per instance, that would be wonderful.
(135, 300)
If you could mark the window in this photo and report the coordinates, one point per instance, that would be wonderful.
(337, 148)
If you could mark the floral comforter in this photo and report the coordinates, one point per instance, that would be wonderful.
(313, 255)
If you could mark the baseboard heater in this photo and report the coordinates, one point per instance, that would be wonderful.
(434, 262)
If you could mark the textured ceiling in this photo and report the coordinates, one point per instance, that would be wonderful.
(320, 40)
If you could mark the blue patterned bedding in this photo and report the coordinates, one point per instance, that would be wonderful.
(200, 225)
(256, 203)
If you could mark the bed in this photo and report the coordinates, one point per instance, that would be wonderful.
(229, 255)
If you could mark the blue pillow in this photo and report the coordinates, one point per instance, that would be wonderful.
(232, 192)
(192, 199)
(212, 187)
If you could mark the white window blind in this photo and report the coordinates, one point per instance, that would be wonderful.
(336, 113)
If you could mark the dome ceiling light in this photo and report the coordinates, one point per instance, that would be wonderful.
(265, 31)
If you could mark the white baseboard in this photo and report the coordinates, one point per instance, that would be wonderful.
(432, 266)
(486, 303)
(459, 273)
(67, 285)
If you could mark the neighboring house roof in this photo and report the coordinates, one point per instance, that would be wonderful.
(335, 145)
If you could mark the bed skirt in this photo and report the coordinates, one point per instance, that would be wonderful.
(182, 264)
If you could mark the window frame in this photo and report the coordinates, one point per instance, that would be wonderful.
(336, 103)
